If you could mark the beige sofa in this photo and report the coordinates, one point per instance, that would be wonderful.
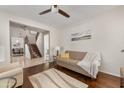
(71, 63)
(14, 70)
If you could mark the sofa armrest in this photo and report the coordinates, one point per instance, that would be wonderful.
(12, 70)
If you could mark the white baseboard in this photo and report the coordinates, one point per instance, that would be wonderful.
(110, 73)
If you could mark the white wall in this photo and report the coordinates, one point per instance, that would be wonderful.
(17, 31)
(27, 52)
(107, 37)
(14, 42)
(2, 54)
(5, 33)
(46, 46)
(40, 44)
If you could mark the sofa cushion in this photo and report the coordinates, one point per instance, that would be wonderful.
(64, 55)
(68, 61)
(76, 55)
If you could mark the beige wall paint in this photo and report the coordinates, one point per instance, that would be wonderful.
(107, 38)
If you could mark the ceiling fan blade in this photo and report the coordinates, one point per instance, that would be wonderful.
(63, 13)
(44, 12)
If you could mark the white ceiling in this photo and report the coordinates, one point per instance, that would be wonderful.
(78, 13)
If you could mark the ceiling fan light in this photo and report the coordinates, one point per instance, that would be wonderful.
(54, 9)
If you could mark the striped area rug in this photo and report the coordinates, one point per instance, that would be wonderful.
(54, 78)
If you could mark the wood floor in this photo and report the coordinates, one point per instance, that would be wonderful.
(103, 80)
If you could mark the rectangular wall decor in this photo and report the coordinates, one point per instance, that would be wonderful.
(81, 35)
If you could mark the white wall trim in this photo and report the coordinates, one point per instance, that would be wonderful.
(109, 73)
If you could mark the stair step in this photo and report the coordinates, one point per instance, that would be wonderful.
(35, 51)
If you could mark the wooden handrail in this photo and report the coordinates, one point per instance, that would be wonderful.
(37, 35)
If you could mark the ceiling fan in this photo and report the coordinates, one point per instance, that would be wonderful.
(55, 9)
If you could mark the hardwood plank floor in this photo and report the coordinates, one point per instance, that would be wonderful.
(103, 80)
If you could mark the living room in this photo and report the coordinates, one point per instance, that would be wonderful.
(78, 34)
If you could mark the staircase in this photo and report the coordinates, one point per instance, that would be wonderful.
(34, 51)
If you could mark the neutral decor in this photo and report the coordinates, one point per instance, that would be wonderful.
(81, 35)
(54, 78)
(85, 63)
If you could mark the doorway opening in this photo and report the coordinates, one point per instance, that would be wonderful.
(28, 43)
